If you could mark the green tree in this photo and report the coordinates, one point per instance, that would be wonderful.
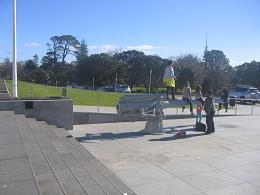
(248, 74)
(81, 51)
(6, 69)
(217, 69)
(133, 67)
(61, 46)
(102, 67)
(189, 68)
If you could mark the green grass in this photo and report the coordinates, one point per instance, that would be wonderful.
(79, 97)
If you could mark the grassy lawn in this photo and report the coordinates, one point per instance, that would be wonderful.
(79, 96)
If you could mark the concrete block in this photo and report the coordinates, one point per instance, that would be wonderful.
(55, 111)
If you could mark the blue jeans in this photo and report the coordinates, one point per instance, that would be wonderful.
(198, 117)
(188, 100)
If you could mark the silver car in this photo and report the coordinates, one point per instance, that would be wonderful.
(245, 92)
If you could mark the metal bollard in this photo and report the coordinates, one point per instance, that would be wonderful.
(236, 109)
(252, 108)
(98, 101)
(64, 92)
(31, 89)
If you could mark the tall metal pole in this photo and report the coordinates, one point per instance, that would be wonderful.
(14, 52)
(115, 81)
(150, 81)
(93, 84)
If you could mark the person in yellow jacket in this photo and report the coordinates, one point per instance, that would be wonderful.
(169, 80)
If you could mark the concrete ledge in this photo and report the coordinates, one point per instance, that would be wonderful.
(95, 118)
(57, 112)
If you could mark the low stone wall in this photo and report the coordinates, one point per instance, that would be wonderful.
(57, 112)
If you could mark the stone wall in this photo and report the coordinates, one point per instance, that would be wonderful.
(57, 112)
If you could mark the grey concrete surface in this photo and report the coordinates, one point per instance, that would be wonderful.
(37, 158)
(226, 162)
(90, 115)
(54, 111)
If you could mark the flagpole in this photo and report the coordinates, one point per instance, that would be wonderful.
(14, 52)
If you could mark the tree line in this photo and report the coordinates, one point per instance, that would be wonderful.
(128, 67)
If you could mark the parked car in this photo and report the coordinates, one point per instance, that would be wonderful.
(107, 88)
(116, 88)
(123, 89)
(245, 92)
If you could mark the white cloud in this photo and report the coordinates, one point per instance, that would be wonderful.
(146, 48)
(105, 47)
(32, 44)
(143, 47)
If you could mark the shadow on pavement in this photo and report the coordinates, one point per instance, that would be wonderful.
(110, 136)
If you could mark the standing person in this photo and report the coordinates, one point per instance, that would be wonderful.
(210, 112)
(224, 97)
(198, 113)
(187, 97)
(169, 80)
(198, 94)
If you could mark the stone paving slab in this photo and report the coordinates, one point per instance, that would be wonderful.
(227, 162)
(14, 170)
(19, 187)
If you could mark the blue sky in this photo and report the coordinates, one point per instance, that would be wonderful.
(163, 27)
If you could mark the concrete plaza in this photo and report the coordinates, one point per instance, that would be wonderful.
(227, 162)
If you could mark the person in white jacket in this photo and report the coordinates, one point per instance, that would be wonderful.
(169, 80)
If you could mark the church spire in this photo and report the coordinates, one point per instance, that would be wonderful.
(206, 47)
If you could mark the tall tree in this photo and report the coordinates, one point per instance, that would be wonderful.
(217, 69)
(81, 51)
(134, 63)
(61, 46)
(189, 68)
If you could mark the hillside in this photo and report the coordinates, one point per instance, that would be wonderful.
(79, 96)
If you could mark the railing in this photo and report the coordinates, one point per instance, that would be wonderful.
(99, 100)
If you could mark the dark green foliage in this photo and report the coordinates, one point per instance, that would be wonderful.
(128, 67)
(248, 73)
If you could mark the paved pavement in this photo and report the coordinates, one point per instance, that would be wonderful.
(227, 162)
(36, 158)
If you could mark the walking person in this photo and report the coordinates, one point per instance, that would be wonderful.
(198, 94)
(187, 97)
(169, 80)
(210, 112)
(224, 97)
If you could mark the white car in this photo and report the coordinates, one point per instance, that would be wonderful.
(123, 89)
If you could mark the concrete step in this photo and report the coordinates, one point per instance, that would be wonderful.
(15, 173)
(61, 165)
(43, 175)
(100, 173)
(46, 140)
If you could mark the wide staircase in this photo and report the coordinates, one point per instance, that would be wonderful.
(37, 158)
(4, 94)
